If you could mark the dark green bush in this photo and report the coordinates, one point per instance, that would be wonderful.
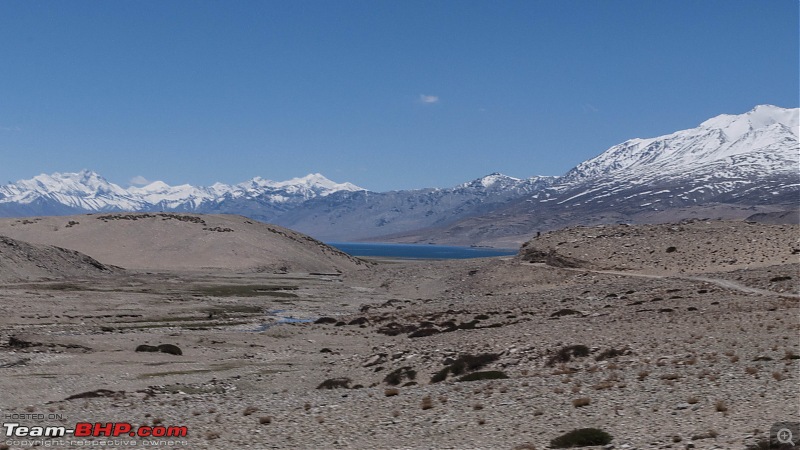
(582, 437)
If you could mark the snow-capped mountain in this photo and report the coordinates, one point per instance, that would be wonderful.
(764, 138)
(364, 214)
(86, 191)
(82, 191)
(190, 198)
(312, 204)
(729, 166)
(738, 164)
(737, 155)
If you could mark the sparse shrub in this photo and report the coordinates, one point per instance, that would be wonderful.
(582, 437)
(564, 369)
(606, 384)
(424, 332)
(710, 434)
(211, 435)
(171, 349)
(396, 377)
(565, 354)
(391, 392)
(610, 353)
(671, 249)
(335, 383)
(440, 375)
(477, 406)
(249, 410)
(720, 406)
(751, 370)
(642, 374)
(772, 280)
(692, 400)
(465, 363)
(484, 375)
(475, 362)
(265, 420)
(778, 376)
(581, 402)
(146, 348)
(566, 312)
(427, 402)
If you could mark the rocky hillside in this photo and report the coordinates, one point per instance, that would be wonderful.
(688, 247)
(21, 260)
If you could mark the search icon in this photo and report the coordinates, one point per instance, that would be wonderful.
(785, 436)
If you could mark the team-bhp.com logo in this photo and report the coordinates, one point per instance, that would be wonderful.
(88, 429)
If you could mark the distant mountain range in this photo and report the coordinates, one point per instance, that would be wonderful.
(730, 165)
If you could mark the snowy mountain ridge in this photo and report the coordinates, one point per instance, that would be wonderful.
(767, 134)
(89, 191)
(739, 162)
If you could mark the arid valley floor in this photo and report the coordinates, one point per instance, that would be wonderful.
(665, 336)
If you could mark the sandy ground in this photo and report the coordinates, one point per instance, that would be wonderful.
(682, 348)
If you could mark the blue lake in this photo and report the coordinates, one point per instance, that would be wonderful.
(418, 251)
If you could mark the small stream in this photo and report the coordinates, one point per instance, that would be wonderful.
(279, 318)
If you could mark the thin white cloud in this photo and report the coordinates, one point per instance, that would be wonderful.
(428, 99)
(4, 128)
(590, 108)
(139, 180)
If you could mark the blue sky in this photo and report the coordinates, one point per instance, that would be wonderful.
(384, 94)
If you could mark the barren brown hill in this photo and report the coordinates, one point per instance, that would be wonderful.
(23, 261)
(694, 246)
(169, 241)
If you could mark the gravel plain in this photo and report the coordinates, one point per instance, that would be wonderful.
(695, 347)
